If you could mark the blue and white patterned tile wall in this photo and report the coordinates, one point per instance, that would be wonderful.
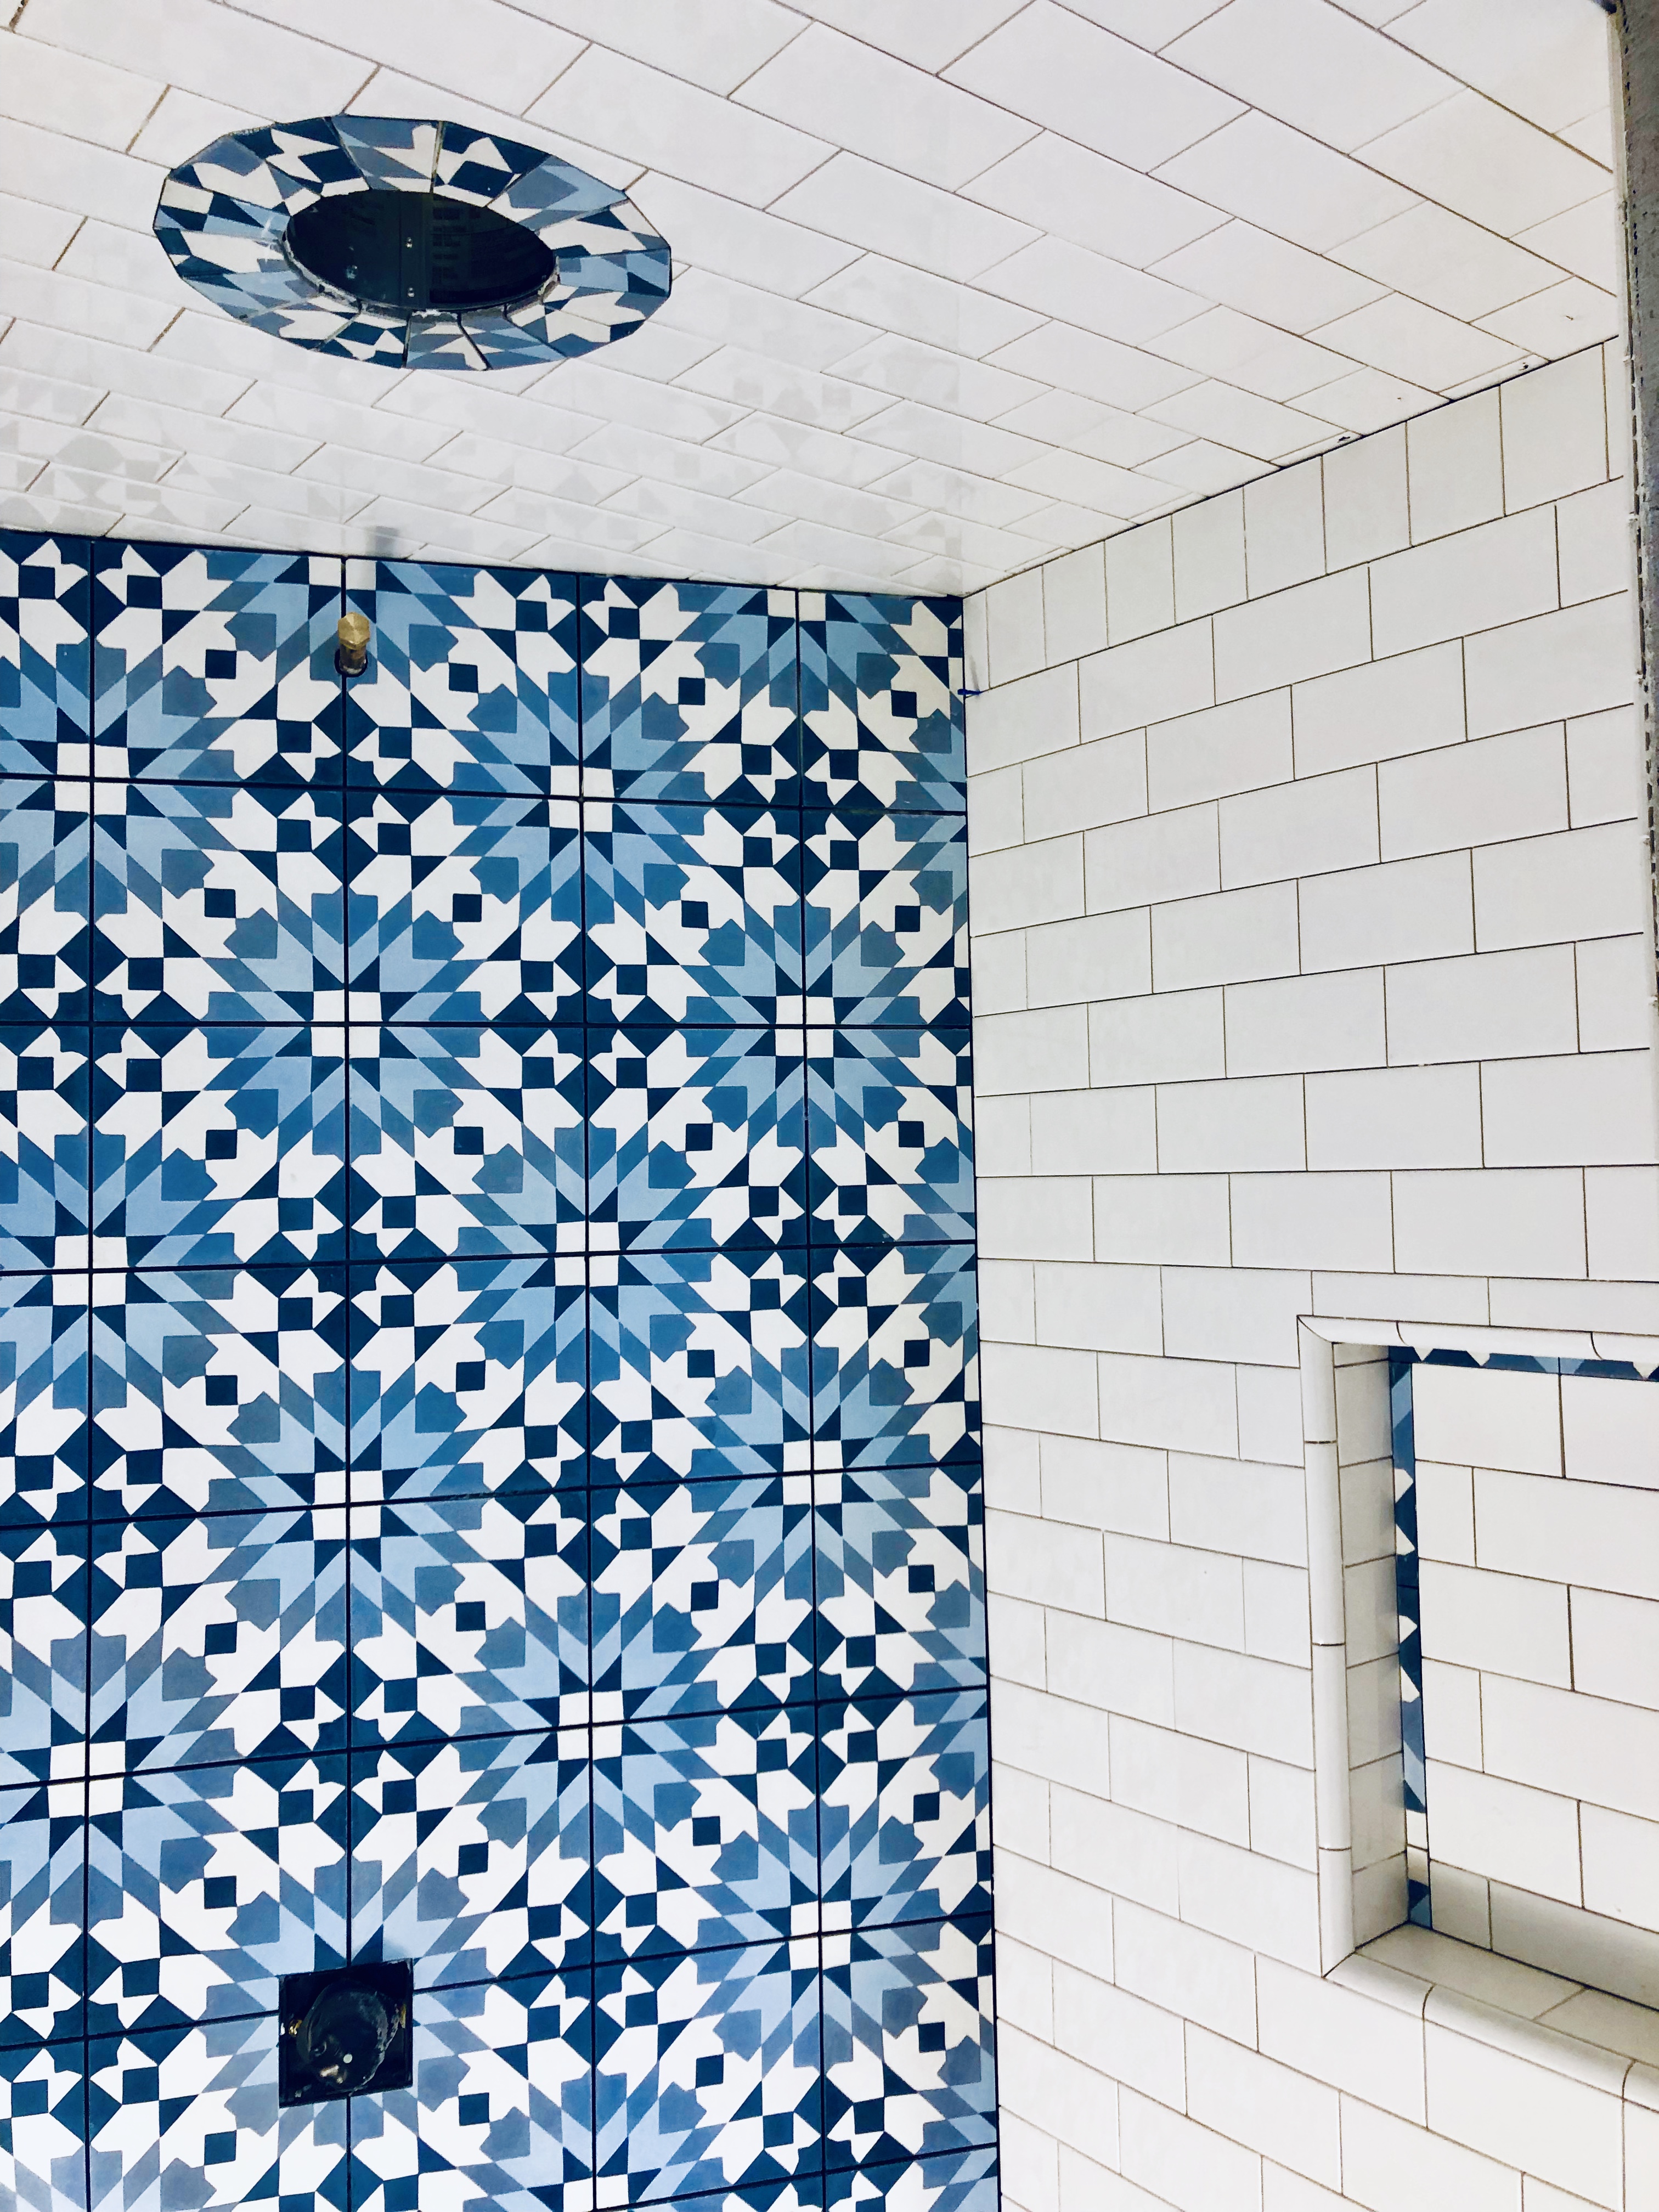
(490, 1472)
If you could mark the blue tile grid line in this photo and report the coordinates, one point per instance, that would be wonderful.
(488, 1434)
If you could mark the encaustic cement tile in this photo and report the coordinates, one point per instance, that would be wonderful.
(896, 1354)
(705, 1830)
(886, 918)
(501, 2112)
(43, 2127)
(43, 1385)
(190, 2113)
(46, 899)
(693, 915)
(696, 1137)
(468, 1377)
(909, 2042)
(709, 2072)
(464, 906)
(43, 1663)
(697, 1365)
(214, 1146)
(472, 683)
(468, 1616)
(205, 1884)
(218, 1389)
(216, 663)
(222, 904)
(472, 1857)
(44, 1088)
(702, 1595)
(900, 1579)
(960, 2181)
(222, 1637)
(45, 655)
(465, 1142)
(889, 1114)
(881, 714)
(905, 1807)
(42, 1955)
(689, 693)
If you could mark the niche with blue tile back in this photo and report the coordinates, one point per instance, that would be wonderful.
(489, 1472)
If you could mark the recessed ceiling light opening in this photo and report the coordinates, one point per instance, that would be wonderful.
(412, 251)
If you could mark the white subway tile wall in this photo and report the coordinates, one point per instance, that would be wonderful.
(1309, 960)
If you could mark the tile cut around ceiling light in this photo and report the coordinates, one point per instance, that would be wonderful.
(411, 244)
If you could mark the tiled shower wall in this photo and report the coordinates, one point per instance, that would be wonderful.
(490, 1472)
(1309, 979)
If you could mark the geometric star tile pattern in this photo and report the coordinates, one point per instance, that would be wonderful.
(489, 1430)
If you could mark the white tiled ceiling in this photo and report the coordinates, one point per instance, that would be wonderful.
(958, 283)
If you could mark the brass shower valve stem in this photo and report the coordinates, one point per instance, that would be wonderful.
(351, 655)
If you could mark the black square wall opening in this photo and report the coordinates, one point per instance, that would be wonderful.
(345, 2032)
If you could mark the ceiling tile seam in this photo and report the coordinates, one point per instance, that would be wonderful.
(1223, 215)
(376, 64)
(1458, 85)
(1366, 30)
(494, 488)
(1349, 438)
(803, 24)
(1396, 288)
(1384, 31)
(1148, 344)
(148, 118)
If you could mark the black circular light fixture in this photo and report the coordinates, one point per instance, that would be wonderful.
(412, 244)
